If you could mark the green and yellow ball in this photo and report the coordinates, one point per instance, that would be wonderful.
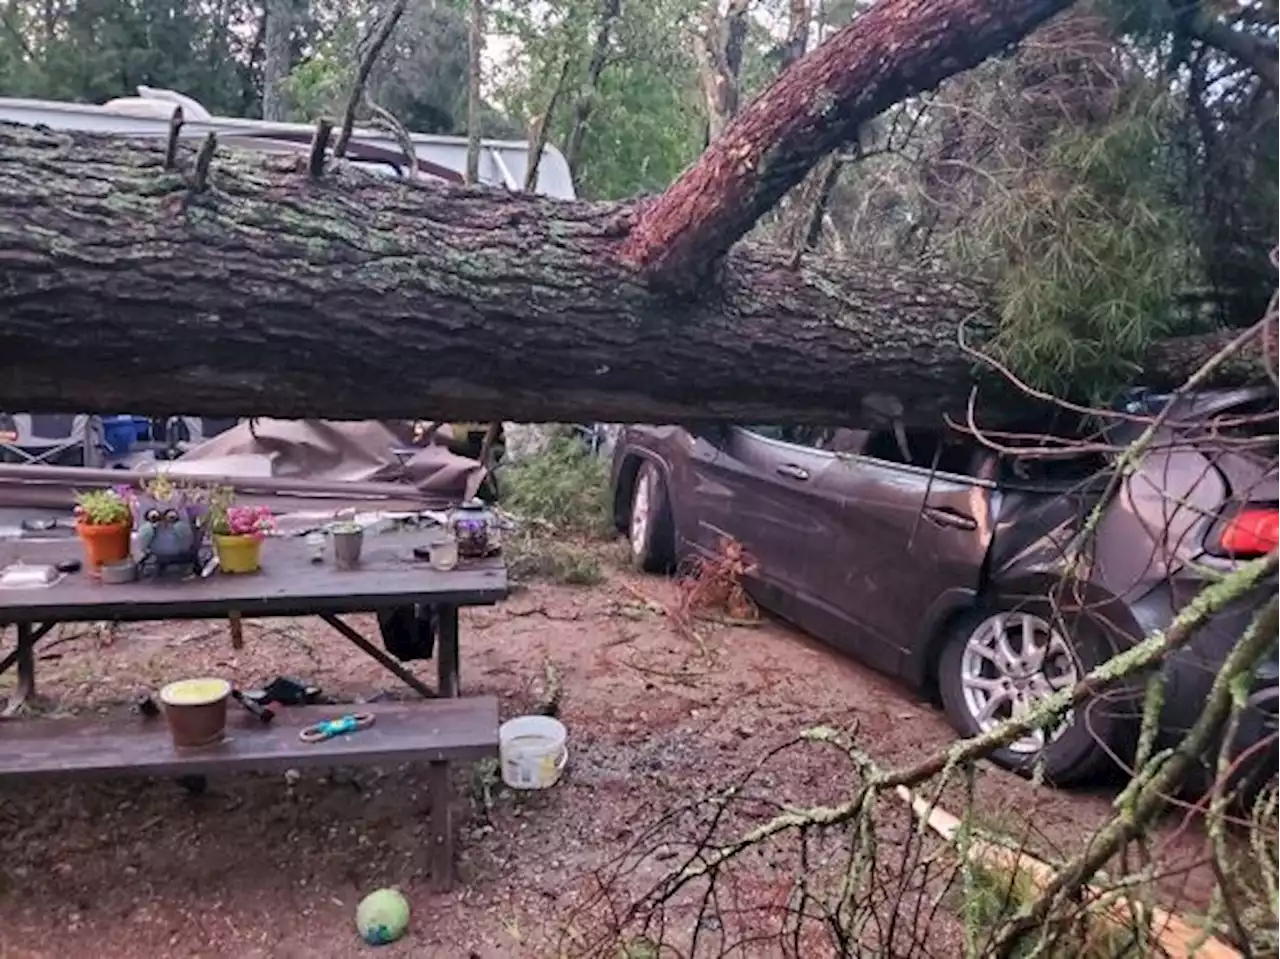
(382, 917)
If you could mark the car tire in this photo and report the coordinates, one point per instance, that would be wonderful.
(650, 530)
(977, 676)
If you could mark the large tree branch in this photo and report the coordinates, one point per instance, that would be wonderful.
(275, 294)
(895, 50)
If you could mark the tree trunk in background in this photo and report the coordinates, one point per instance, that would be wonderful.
(476, 48)
(797, 42)
(355, 297)
(540, 127)
(718, 50)
(895, 50)
(610, 10)
(276, 56)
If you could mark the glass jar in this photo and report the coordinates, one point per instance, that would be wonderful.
(475, 528)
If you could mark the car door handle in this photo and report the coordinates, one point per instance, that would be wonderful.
(793, 471)
(950, 518)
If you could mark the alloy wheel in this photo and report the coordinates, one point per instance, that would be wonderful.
(640, 506)
(1011, 663)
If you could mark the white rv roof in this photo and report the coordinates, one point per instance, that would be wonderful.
(502, 162)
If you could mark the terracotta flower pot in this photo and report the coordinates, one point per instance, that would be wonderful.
(104, 544)
(238, 554)
(196, 710)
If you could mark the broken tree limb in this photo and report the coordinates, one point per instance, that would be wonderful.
(353, 297)
(896, 49)
(1175, 936)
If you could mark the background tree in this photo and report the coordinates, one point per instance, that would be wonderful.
(93, 50)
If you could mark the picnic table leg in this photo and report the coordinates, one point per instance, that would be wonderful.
(441, 856)
(412, 681)
(448, 682)
(26, 659)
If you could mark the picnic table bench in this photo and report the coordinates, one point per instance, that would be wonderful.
(435, 733)
(441, 729)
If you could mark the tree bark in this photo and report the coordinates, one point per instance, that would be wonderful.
(352, 297)
(895, 50)
(274, 294)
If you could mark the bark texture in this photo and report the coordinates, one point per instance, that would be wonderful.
(350, 297)
(896, 49)
(274, 294)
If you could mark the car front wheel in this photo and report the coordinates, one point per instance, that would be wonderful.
(1004, 662)
(649, 528)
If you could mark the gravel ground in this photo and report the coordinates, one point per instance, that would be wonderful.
(265, 866)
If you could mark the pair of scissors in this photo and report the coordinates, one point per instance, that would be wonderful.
(336, 727)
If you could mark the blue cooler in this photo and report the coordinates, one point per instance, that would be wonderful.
(119, 433)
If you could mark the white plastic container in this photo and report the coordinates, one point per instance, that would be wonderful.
(532, 751)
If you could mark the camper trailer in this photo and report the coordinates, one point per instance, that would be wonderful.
(503, 163)
(94, 441)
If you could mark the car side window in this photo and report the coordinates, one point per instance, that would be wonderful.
(926, 449)
(831, 439)
(810, 436)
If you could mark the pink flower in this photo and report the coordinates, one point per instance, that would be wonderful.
(255, 521)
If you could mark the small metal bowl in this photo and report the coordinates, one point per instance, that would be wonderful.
(116, 574)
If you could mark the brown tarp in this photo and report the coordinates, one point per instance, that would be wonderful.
(334, 451)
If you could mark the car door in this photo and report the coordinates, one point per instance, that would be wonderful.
(768, 495)
(910, 545)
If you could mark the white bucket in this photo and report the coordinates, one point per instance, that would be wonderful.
(532, 751)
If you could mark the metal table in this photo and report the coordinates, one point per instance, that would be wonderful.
(288, 585)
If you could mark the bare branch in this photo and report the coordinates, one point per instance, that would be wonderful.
(540, 129)
(367, 61)
(200, 177)
(171, 145)
(610, 10)
(319, 143)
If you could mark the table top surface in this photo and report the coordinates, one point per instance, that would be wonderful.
(288, 584)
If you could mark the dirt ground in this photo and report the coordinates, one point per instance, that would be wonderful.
(273, 866)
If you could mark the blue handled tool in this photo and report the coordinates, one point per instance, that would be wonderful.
(349, 723)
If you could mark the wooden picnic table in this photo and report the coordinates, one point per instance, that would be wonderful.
(435, 733)
(289, 584)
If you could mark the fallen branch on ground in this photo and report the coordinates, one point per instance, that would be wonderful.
(1173, 934)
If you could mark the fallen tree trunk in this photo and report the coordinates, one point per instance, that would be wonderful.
(255, 289)
(270, 293)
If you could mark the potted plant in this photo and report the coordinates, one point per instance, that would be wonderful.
(172, 522)
(238, 532)
(104, 521)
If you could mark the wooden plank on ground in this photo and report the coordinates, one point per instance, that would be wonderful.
(1177, 938)
(435, 731)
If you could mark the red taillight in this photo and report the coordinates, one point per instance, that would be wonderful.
(1251, 532)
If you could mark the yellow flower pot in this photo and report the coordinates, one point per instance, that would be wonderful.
(238, 554)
